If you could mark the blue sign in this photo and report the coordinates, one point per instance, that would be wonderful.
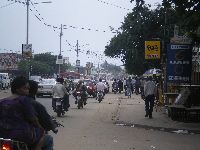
(179, 63)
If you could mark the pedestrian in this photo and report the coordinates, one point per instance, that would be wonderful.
(137, 85)
(120, 84)
(149, 93)
(128, 86)
(124, 83)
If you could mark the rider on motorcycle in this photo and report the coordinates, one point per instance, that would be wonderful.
(100, 86)
(59, 90)
(114, 85)
(83, 89)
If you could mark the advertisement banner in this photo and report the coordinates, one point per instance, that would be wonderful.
(152, 49)
(27, 51)
(77, 63)
(179, 63)
(59, 60)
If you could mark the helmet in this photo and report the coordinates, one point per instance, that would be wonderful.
(80, 81)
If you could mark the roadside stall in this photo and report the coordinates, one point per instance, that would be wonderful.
(181, 89)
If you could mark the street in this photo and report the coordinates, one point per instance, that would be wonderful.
(93, 127)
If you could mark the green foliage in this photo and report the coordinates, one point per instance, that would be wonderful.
(42, 64)
(144, 24)
(140, 25)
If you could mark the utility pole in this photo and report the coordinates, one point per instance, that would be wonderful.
(61, 34)
(77, 50)
(77, 61)
(27, 31)
(27, 35)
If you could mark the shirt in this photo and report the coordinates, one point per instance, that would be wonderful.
(100, 86)
(149, 88)
(15, 120)
(59, 90)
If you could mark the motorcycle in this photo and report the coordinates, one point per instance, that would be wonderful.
(115, 88)
(81, 98)
(9, 144)
(59, 106)
(100, 96)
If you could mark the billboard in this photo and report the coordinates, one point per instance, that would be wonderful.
(27, 51)
(152, 49)
(59, 60)
(179, 63)
(9, 61)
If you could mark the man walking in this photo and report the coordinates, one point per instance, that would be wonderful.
(149, 93)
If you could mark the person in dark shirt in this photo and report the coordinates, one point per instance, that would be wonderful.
(44, 118)
(18, 119)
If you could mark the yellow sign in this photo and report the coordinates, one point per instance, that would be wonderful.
(152, 49)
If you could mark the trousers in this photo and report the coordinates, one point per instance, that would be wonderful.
(149, 103)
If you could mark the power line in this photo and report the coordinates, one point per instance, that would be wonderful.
(65, 27)
(111, 4)
(3, 6)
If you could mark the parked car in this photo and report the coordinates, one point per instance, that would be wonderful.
(4, 80)
(45, 87)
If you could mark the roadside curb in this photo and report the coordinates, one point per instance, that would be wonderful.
(164, 129)
(130, 113)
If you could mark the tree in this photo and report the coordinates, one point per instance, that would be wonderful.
(188, 16)
(140, 25)
(42, 64)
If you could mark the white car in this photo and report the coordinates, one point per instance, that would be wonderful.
(45, 87)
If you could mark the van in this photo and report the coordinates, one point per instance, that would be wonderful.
(4, 80)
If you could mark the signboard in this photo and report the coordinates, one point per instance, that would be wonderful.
(27, 50)
(59, 60)
(152, 49)
(180, 40)
(179, 63)
(77, 63)
(66, 60)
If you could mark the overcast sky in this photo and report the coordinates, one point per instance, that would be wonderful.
(87, 21)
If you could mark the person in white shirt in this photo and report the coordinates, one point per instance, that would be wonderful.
(149, 93)
(100, 86)
(59, 90)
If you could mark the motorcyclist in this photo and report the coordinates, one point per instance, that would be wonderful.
(100, 86)
(18, 118)
(83, 89)
(114, 85)
(59, 90)
(44, 118)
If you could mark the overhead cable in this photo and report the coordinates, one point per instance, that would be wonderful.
(6, 5)
(113, 5)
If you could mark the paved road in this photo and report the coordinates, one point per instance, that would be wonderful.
(93, 128)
